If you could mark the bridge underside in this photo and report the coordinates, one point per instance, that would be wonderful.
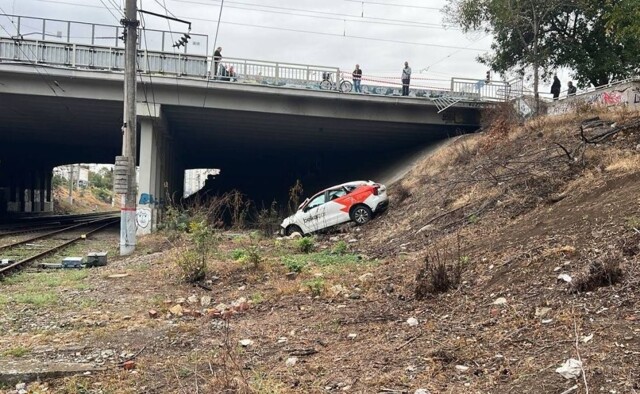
(260, 154)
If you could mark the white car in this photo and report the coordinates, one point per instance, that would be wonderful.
(355, 201)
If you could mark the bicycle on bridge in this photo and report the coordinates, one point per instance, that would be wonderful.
(327, 84)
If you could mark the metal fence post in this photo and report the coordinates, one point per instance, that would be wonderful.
(277, 72)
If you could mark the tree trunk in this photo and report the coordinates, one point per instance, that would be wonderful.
(536, 90)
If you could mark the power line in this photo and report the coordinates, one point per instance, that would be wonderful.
(111, 12)
(303, 31)
(333, 15)
(153, 94)
(342, 35)
(167, 12)
(394, 5)
(35, 67)
(213, 60)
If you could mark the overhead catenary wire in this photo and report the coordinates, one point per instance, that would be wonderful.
(111, 12)
(35, 67)
(300, 30)
(394, 5)
(153, 94)
(213, 61)
(319, 14)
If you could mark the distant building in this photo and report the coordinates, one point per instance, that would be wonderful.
(194, 179)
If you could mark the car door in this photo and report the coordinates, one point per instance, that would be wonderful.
(313, 214)
(337, 206)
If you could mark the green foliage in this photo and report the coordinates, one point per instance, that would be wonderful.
(294, 264)
(191, 265)
(18, 351)
(597, 39)
(306, 244)
(58, 181)
(633, 222)
(340, 248)
(193, 261)
(297, 263)
(316, 286)
(238, 254)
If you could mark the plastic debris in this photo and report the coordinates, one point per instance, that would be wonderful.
(571, 369)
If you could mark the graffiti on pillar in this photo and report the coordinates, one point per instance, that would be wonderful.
(143, 217)
(145, 199)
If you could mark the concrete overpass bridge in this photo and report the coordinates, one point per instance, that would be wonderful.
(62, 103)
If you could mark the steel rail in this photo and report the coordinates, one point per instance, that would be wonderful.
(5, 270)
(5, 247)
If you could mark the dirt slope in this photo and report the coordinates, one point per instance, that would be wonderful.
(521, 211)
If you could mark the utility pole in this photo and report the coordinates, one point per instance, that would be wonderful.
(129, 128)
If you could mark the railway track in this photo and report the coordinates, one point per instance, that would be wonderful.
(25, 256)
(43, 223)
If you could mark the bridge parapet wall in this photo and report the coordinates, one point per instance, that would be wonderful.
(625, 94)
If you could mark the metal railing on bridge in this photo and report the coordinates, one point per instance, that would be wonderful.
(67, 44)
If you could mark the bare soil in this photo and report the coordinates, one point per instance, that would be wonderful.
(508, 204)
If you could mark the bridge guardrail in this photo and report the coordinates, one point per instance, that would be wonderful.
(491, 91)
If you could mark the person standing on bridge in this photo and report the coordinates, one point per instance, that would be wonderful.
(555, 88)
(406, 79)
(571, 89)
(217, 56)
(357, 78)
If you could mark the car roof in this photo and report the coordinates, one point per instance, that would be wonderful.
(352, 183)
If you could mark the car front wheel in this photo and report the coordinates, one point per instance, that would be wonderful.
(293, 229)
(361, 214)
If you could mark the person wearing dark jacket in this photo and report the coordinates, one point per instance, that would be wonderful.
(357, 78)
(555, 88)
(217, 56)
(571, 89)
(406, 79)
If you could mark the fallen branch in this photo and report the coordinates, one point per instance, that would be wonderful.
(409, 341)
(584, 377)
(132, 357)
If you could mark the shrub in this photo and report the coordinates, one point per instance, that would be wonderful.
(238, 254)
(294, 265)
(192, 266)
(295, 193)
(340, 248)
(440, 273)
(401, 192)
(253, 257)
(316, 286)
(606, 272)
(306, 245)
(268, 220)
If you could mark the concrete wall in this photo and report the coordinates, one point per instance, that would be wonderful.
(627, 94)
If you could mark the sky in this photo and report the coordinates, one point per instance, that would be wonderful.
(380, 35)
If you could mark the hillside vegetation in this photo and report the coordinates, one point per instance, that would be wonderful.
(502, 256)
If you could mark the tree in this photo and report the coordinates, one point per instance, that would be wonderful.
(596, 39)
(521, 32)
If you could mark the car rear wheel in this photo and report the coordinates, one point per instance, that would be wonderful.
(293, 229)
(361, 214)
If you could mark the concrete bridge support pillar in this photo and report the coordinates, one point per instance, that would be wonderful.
(154, 153)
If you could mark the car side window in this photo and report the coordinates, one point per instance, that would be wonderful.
(317, 201)
(334, 194)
